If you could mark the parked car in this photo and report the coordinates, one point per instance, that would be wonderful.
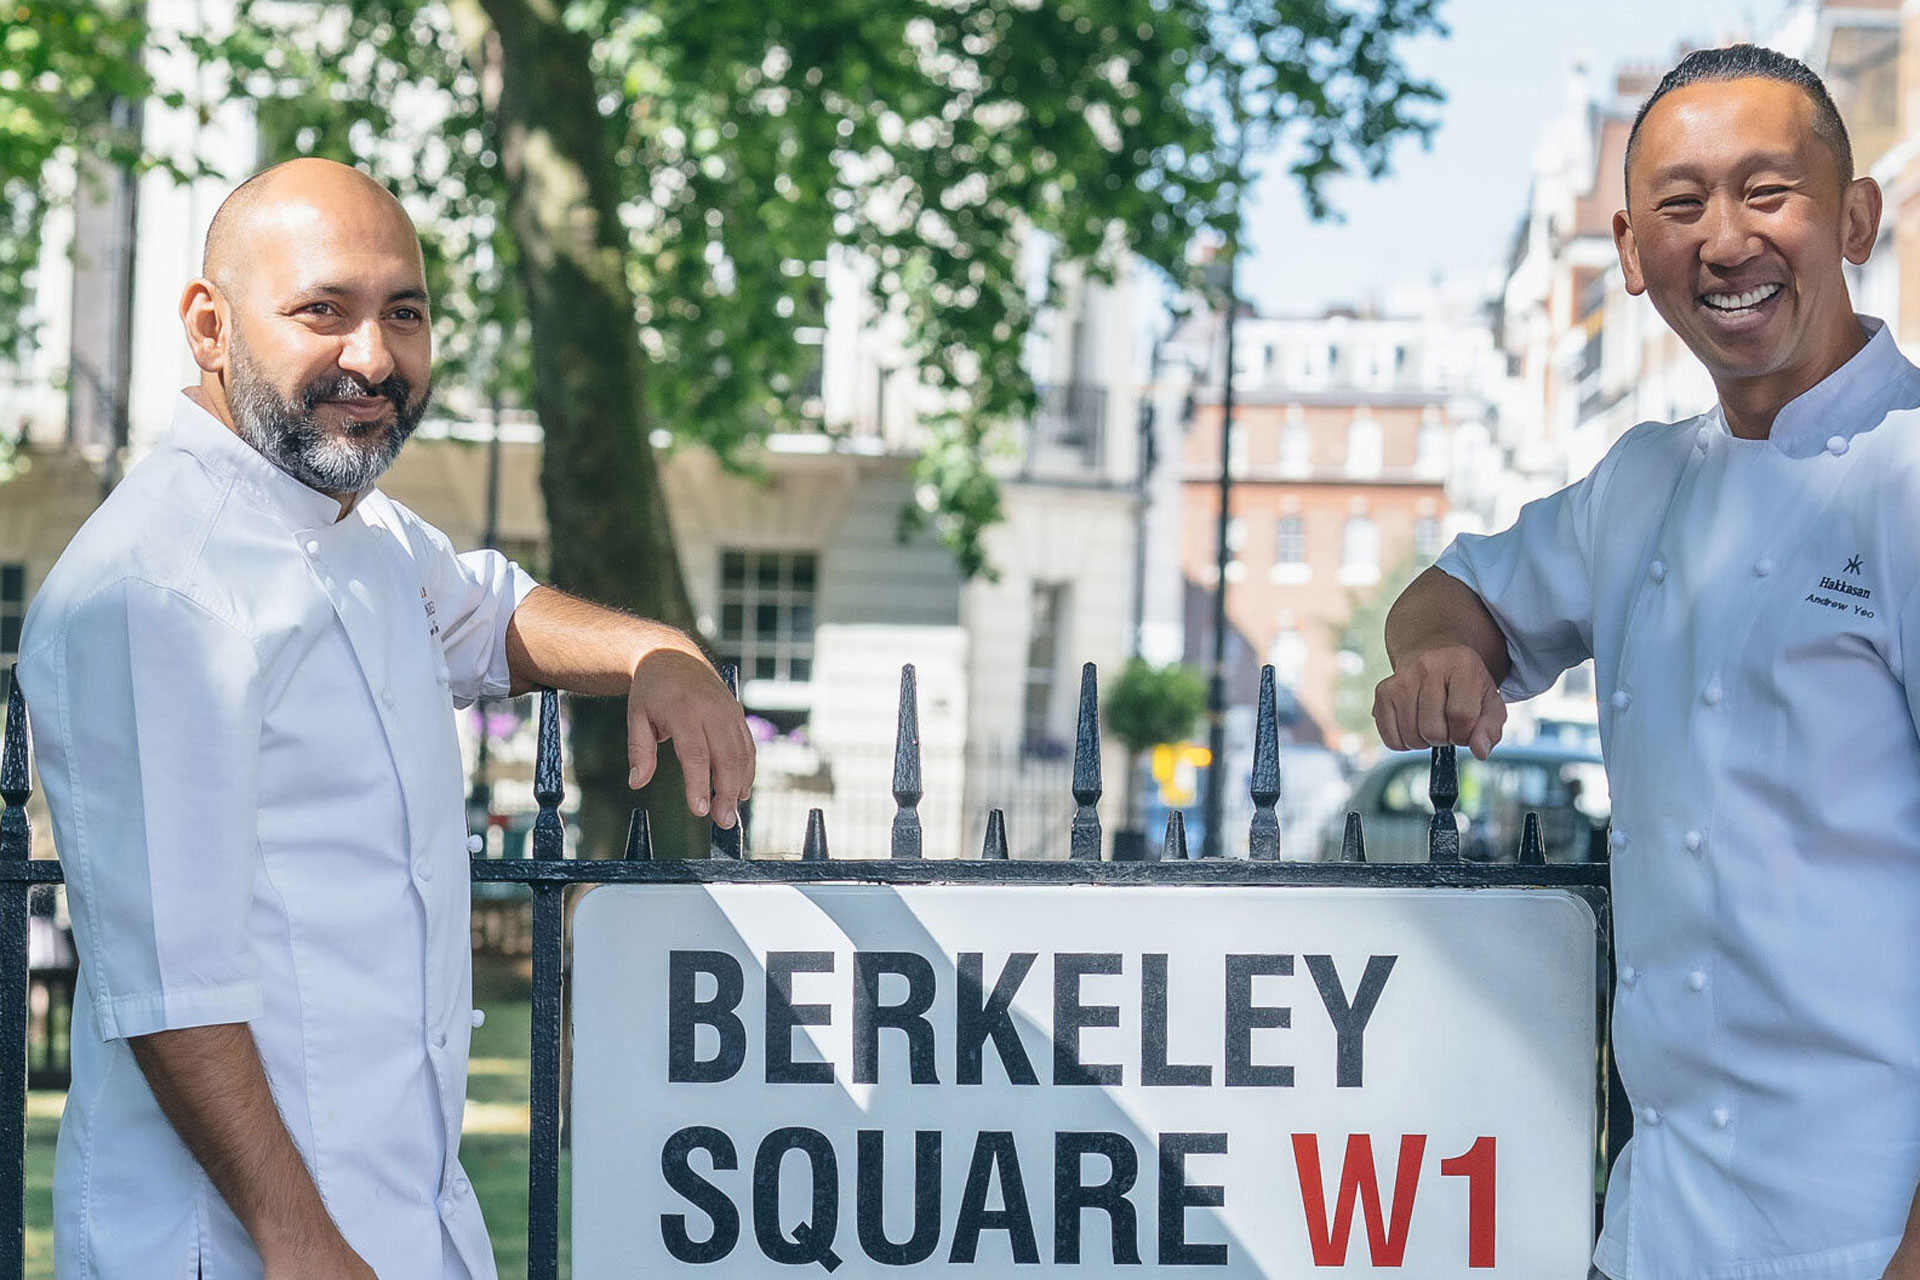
(1566, 786)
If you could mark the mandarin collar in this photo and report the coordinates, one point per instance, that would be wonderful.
(1847, 402)
(208, 439)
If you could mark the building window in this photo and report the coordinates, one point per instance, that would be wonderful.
(1363, 447)
(1290, 540)
(1296, 449)
(13, 611)
(1047, 630)
(1289, 655)
(1237, 450)
(1430, 449)
(1426, 539)
(1360, 551)
(767, 609)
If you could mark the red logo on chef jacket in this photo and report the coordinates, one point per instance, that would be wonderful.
(428, 603)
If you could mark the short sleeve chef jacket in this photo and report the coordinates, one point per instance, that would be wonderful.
(242, 707)
(1750, 606)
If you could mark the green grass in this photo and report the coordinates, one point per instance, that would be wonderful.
(493, 1144)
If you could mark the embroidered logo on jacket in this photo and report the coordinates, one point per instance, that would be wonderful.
(1854, 597)
(431, 621)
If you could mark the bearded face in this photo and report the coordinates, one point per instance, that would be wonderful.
(320, 433)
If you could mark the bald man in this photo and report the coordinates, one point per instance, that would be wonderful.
(242, 676)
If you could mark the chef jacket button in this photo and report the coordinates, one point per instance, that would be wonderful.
(423, 870)
(461, 1186)
(386, 698)
(313, 546)
(1622, 699)
(446, 1206)
(479, 1017)
(1694, 841)
(1711, 694)
(1618, 840)
(1657, 571)
(439, 1039)
(1701, 437)
(1649, 1116)
(475, 843)
(1696, 981)
(1836, 445)
(1762, 567)
(1720, 1118)
(1628, 974)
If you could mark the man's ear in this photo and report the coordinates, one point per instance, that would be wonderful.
(206, 317)
(1860, 207)
(1629, 251)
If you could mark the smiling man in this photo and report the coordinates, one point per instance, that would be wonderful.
(1744, 582)
(242, 676)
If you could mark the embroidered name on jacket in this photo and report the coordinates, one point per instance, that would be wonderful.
(1840, 586)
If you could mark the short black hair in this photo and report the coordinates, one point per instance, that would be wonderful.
(1752, 61)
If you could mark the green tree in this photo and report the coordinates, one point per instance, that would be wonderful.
(629, 196)
(64, 65)
(1147, 706)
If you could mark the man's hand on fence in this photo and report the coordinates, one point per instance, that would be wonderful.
(1440, 696)
(676, 695)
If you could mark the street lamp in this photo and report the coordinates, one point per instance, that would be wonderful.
(1220, 273)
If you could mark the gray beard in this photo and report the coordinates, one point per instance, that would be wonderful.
(288, 435)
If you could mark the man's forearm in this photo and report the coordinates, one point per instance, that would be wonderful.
(558, 641)
(211, 1087)
(1437, 610)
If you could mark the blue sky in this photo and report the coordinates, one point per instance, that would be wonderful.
(1450, 210)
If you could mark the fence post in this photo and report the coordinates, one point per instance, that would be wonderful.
(639, 837)
(1443, 788)
(729, 842)
(1353, 840)
(1175, 847)
(549, 924)
(815, 847)
(907, 786)
(16, 845)
(1532, 852)
(994, 847)
(1084, 843)
(1263, 834)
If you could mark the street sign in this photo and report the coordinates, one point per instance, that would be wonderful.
(1264, 1081)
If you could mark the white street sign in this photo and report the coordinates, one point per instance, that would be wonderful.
(1255, 1081)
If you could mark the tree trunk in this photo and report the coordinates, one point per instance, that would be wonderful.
(608, 532)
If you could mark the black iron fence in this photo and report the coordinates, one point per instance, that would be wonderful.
(549, 873)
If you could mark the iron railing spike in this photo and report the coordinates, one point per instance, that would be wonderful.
(727, 842)
(1175, 847)
(994, 849)
(1353, 841)
(1533, 853)
(1263, 833)
(639, 838)
(549, 786)
(1084, 844)
(907, 784)
(814, 848)
(16, 779)
(1443, 788)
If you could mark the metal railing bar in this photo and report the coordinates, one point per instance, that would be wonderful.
(1404, 875)
(543, 1134)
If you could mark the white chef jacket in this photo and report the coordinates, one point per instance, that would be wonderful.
(243, 708)
(1749, 605)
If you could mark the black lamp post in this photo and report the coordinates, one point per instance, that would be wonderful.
(1222, 273)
